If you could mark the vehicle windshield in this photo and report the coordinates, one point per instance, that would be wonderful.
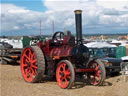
(99, 53)
(94, 52)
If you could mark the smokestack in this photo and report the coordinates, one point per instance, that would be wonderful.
(78, 19)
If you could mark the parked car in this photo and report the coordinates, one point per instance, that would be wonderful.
(112, 65)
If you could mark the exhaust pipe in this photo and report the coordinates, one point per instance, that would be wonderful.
(78, 19)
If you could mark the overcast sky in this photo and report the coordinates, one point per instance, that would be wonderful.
(22, 17)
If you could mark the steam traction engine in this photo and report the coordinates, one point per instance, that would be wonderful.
(63, 57)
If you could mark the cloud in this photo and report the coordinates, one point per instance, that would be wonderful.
(97, 14)
(18, 19)
(16, 28)
(67, 4)
(97, 17)
(116, 4)
(18, 11)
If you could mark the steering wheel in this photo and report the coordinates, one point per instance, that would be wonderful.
(58, 36)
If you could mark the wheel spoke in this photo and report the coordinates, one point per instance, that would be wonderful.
(34, 66)
(98, 73)
(60, 72)
(30, 53)
(68, 77)
(33, 72)
(24, 65)
(26, 69)
(27, 72)
(26, 57)
(33, 56)
(97, 79)
(66, 81)
(61, 78)
(97, 67)
(26, 60)
(67, 72)
(64, 65)
(34, 61)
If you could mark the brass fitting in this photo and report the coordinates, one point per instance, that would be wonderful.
(78, 11)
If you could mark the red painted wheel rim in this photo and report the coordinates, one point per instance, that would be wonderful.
(63, 75)
(28, 64)
(95, 77)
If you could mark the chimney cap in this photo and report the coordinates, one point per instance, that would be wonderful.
(78, 11)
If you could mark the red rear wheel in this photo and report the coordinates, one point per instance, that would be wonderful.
(32, 58)
(97, 77)
(65, 74)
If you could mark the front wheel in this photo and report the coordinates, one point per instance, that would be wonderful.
(65, 74)
(96, 78)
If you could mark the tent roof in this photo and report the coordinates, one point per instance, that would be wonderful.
(99, 45)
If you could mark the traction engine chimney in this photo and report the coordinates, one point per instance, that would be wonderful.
(78, 19)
